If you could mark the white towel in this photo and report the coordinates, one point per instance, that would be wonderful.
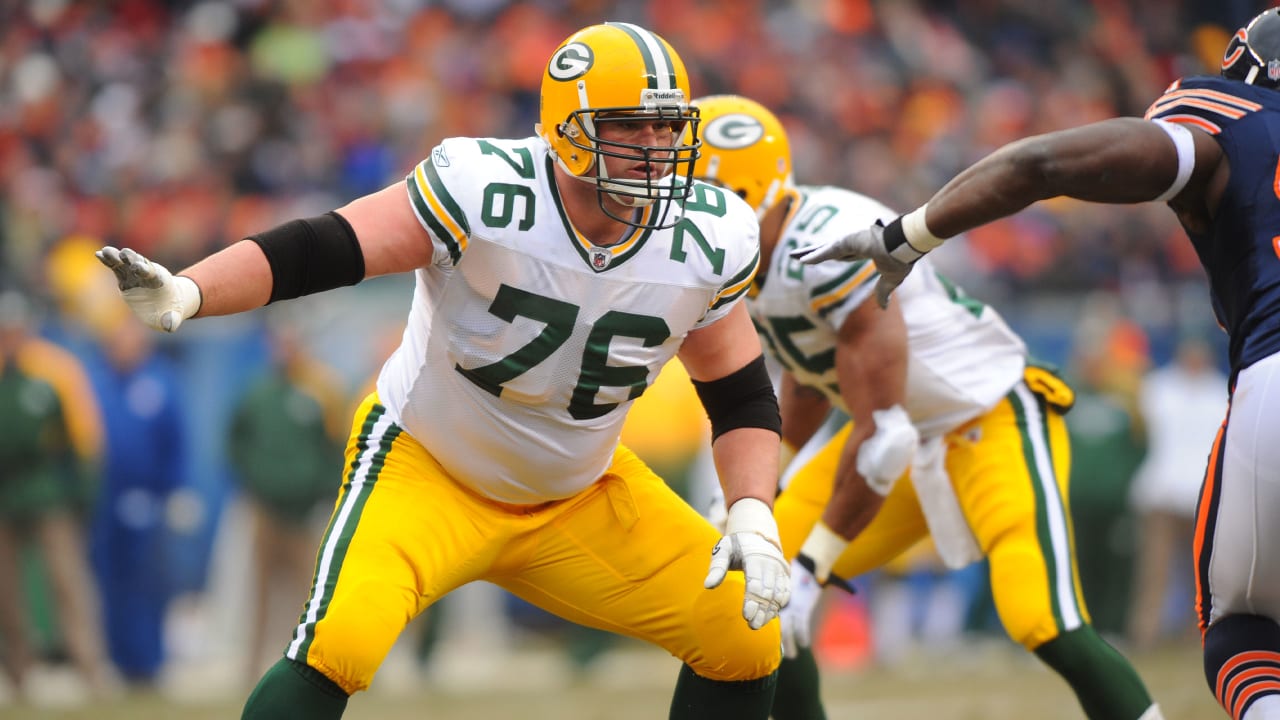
(952, 535)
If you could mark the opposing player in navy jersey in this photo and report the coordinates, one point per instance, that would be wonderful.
(1210, 148)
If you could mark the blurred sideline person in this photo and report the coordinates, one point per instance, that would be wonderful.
(1181, 402)
(1109, 355)
(50, 439)
(1208, 147)
(144, 461)
(555, 276)
(285, 439)
(939, 385)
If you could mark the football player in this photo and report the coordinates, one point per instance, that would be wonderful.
(555, 276)
(1208, 148)
(922, 419)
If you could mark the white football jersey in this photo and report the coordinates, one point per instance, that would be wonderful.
(962, 356)
(526, 344)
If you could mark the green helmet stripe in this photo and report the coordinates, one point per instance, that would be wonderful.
(657, 62)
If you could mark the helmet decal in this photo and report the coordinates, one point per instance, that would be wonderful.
(571, 62)
(732, 132)
(1253, 53)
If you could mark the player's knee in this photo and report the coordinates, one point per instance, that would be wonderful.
(724, 647)
(350, 644)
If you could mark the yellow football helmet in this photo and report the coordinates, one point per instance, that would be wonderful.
(619, 72)
(744, 149)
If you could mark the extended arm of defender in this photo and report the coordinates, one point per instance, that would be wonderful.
(1122, 160)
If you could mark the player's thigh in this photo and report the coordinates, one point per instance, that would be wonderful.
(809, 481)
(1010, 470)
(1237, 537)
(402, 534)
(630, 556)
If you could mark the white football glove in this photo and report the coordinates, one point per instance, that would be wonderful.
(886, 245)
(751, 544)
(159, 299)
(797, 616)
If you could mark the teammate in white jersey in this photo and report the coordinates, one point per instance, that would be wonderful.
(555, 276)
(925, 419)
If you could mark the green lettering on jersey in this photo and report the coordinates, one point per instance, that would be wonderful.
(779, 333)
(500, 205)
(960, 297)
(716, 256)
(818, 217)
(598, 373)
(706, 198)
(557, 316)
(524, 168)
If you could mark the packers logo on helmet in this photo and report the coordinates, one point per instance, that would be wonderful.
(622, 74)
(732, 132)
(570, 62)
(745, 149)
(1253, 55)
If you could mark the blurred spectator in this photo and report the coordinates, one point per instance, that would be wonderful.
(286, 439)
(50, 436)
(143, 465)
(1107, 444)
(1183, 402)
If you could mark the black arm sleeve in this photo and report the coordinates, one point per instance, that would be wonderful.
(311, 255)
(744, 398)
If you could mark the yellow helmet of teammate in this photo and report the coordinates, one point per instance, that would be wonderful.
(619, 72)
(745, 149)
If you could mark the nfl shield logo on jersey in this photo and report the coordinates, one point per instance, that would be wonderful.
(1273, 70)
(600, 259)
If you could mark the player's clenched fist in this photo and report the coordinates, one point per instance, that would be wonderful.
(159, 299)
(751, 544)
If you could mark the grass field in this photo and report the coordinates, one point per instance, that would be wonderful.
(987, 681)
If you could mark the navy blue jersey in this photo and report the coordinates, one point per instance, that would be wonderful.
(1241, 250)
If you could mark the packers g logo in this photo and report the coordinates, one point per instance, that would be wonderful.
(733, 131)
(570, 62)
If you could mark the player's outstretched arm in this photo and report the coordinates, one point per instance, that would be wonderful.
(1121, 160)
(373, 235)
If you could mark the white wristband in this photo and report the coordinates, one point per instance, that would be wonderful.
(751, 515)
(917, 232)
(189, 295)
(824, 547)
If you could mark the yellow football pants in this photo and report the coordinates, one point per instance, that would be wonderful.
(626, 555)
(1010, 470)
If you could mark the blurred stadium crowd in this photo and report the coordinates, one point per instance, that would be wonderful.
(175, 127)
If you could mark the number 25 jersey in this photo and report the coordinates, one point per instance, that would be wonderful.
(526, 344)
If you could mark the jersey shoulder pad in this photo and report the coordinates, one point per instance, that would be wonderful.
(721, 229)
(447, 187)
(827, 214)
(1206, 102)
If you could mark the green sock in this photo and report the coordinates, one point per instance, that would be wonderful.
(697, 698)
(290, 689)
(798, 696)
(1106, 685)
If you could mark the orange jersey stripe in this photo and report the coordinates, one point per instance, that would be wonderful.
(1202, 518)
(1229, 670)
(1259, 687)
(1195, 121)
(1211, 95)
(1220, 108)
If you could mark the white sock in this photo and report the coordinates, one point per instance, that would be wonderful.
(1152, 713)
(1266, 707)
